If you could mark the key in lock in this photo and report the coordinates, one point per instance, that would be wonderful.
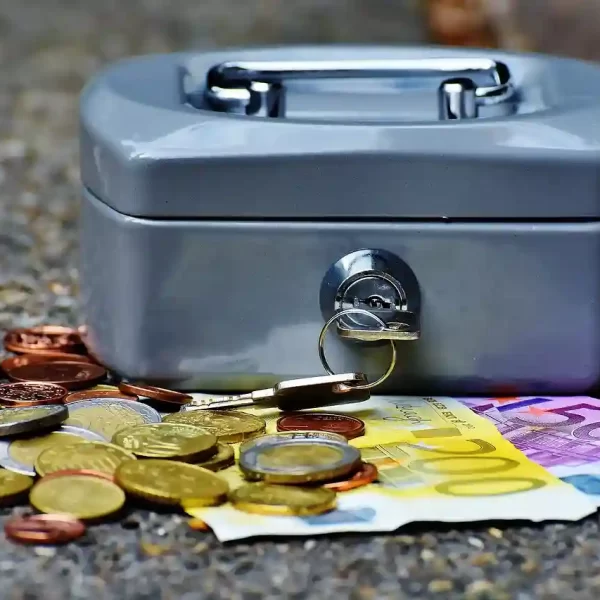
(382, 284)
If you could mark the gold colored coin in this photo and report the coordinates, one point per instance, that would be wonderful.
(170, 482)
(94, 456)
(229, 426)
(12, 486)
(221, 460)
(269, 499)
(79, 496)
(168, 440)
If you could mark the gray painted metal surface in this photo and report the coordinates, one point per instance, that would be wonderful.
(206, 236)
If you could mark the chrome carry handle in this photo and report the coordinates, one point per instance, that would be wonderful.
(258, 87)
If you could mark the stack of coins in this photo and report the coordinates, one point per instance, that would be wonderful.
(79, 449)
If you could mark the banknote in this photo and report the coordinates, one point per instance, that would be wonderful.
(403, 418)
(561, 434)
(437, 461)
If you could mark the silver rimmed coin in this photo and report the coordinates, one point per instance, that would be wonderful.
(17, 421)
(19, 455)
(106, 416)
(298, 457)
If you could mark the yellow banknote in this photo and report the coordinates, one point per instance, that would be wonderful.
(392, 419)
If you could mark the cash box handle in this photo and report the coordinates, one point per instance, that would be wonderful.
(258, 87)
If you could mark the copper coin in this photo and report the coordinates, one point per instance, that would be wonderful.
(46, 338)
(85, 472)
(365, 475)
(349, 427)
(31, 394)
(71, 375)
(155, 393)
(40, 529)
(30, 359)
(90, 394)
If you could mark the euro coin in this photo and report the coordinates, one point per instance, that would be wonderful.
(269, 499)
(106, 416)
(366, 474)
(171, 482)
(298, 458)
(19, 455)
(13, 486)
(79, 496)
(44, 529)
(228, 426)
(70, 375)
(178, 441)
(93, 456)
(346, 425)
(221, 460)
(17, 421)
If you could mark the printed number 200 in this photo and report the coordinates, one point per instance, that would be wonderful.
(476, 486)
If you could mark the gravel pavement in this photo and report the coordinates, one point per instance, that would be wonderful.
(48, 48)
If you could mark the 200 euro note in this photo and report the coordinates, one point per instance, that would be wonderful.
(402, 418)
(562, 434)
(471, 474)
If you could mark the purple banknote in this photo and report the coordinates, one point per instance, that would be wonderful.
(559, 433)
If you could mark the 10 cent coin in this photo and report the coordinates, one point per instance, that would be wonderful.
(19, 455)
(179, 441)
(229, 426)
(171, 482)
(80, 496)
(93, 456)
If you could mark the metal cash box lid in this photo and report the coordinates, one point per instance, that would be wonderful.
(344, 132)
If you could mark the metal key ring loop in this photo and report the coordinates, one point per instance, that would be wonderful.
(341, 313)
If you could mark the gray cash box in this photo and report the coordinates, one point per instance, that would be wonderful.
(233, 201)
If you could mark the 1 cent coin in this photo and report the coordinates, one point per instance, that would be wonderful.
(29, 359)
(31, 394)
(44, 529)
(43, 339)
(349, 427)
(367, 473)
(70, 375)
(155, 393)
(92, 394)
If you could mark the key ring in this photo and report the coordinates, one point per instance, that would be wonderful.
(361, 311)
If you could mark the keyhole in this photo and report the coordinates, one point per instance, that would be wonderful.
(375, 301)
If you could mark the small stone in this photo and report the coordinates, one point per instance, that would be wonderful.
(154, 549)
(43, 551)
(199, 548)
(483, 589)
(427, 554)
(484, 559)
(439, 586)
(494, 532)
(529, 566)
(475, 542)
(310, 544)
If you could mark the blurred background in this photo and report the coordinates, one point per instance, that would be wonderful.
(49, 48)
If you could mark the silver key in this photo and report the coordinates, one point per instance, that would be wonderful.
(295, 394)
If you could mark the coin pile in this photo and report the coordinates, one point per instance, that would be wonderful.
(81, 450)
